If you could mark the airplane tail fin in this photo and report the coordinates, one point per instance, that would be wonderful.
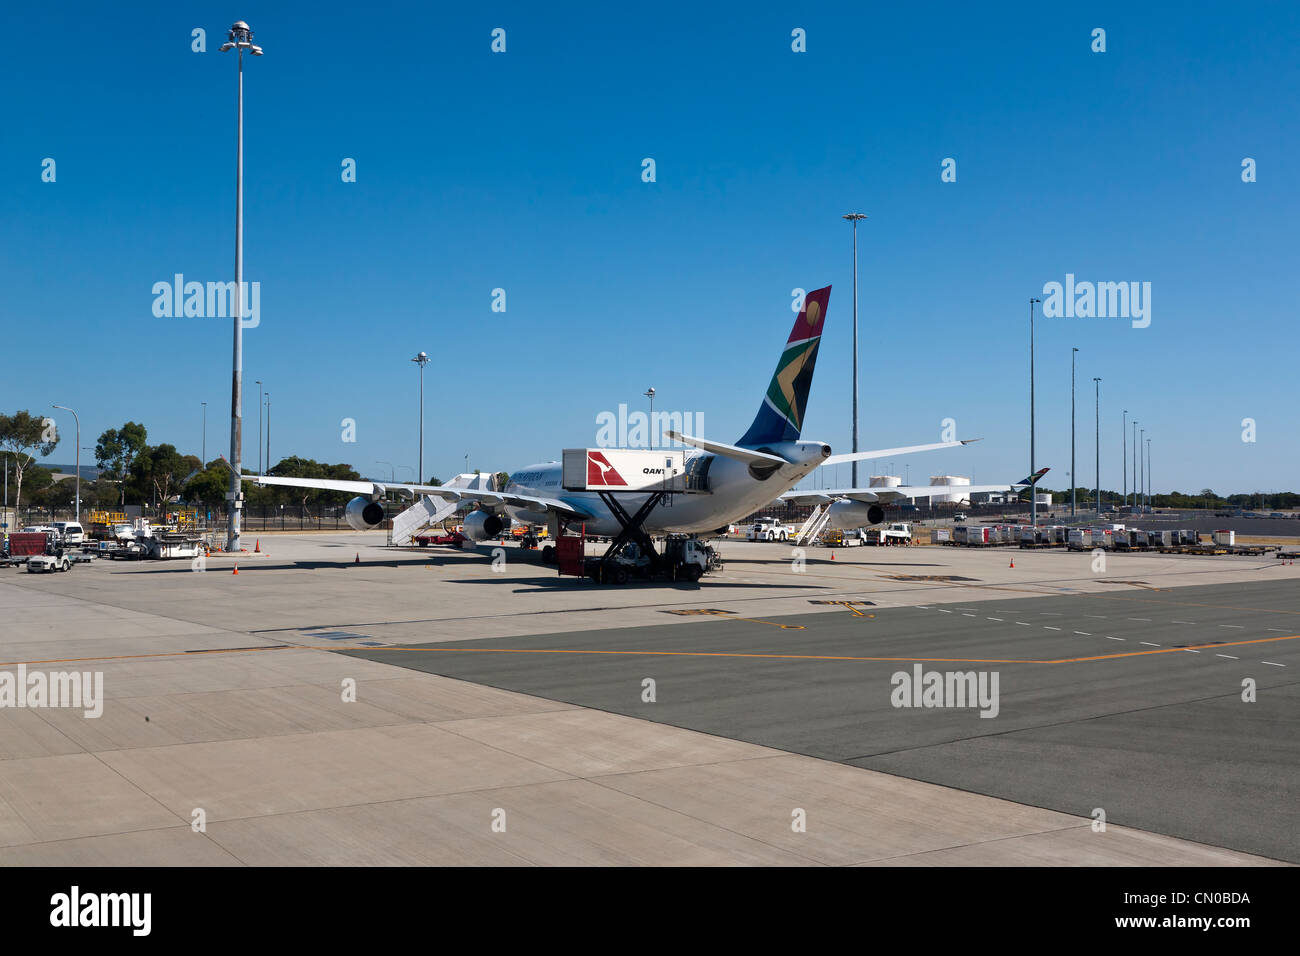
(780, 416)
(1033, 479)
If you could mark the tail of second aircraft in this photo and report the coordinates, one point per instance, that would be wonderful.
(780, 416)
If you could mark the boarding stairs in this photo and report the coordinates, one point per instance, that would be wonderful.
(815, 524)
(429, 510)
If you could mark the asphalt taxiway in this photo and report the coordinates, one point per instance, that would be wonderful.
(1128, 702)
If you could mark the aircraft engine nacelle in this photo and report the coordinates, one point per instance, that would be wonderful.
(364, 514)
(846, 515)
(481, 525)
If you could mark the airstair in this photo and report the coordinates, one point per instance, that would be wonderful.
(814, 525)
(429, 510)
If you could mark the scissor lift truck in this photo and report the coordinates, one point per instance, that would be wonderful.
(632, 554)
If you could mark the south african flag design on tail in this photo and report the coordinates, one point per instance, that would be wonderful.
(780, 417)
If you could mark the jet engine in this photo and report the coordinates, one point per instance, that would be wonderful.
(364, 514)
(481, 525)
(846, 514)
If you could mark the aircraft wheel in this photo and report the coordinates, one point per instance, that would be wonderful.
(620, 576)
(548, 554)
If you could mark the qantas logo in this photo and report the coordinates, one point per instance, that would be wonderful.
(601, 472)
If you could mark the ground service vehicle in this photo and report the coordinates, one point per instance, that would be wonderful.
(769, 529)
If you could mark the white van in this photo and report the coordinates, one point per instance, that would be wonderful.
(71, 532)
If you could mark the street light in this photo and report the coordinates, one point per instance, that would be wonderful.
(1142, 484)
(391, 474)
(241, 39)
(1074, 481)
(78, 466)
(1133, 506)
(204, 446)
(650, 394)
(1097, 386)
(422, 359)
(268, 431)
(854, 217)
(1149, 474)
(1033, 494)
(259, 427)
(1123, 440)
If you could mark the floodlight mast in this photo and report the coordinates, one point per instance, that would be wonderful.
(241, 39)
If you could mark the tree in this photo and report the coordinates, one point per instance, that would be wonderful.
(502, 479)
(44, 492)
(210, 485)
(158, 471)
(117, 449)
(21, 434)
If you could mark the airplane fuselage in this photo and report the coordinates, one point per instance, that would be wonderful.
(734, 489)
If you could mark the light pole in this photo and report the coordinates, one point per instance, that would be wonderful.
(1074, 480)
(854, 218)
(1033, 493)
(1123, 436)
(268, 431)
(204, 445)
(259, 427)
(1097, 387)
(240, 39)
(1133, 505)
(78, 465)
(1142, 484)
(650, 394)
(391, 474)
(421, 360)
(1149, 473)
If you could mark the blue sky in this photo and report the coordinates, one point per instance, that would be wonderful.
(522, 170)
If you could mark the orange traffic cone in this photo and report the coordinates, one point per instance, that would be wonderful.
(358, 560)
(832, 555)
(236, 571)
(257, 546)
(1013, 562)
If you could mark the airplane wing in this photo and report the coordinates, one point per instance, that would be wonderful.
(375, 488)
(890, 452)
(885, 496)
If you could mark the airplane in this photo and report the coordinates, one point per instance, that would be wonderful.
(850, 508)
(733, 480)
